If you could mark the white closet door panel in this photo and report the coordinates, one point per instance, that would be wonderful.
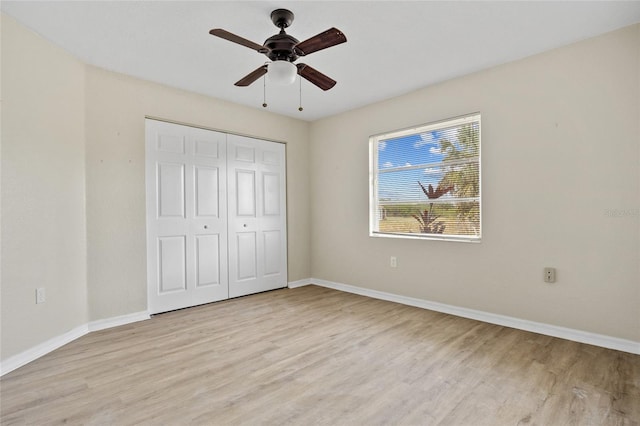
(246, 193)
(244, 153)
(186, 216)
(208, 260)
(172, 264)
(246, 256)
(209, 221)
(271, 191)
(207, 191)
(272, 256)
(170, 140)
(257, 215)
(206, 146)
(271, 158)
(171, 191)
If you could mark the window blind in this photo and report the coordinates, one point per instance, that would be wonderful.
(426, 181)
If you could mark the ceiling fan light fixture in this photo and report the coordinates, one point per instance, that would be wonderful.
(282, 73)
(283, 50)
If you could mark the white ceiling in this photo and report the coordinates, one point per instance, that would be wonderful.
(393, 47)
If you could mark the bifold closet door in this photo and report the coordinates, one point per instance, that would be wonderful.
(256, 215)
(216, 216)
(186, 216)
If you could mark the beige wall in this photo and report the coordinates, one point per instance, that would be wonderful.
(116, 108)
(70, 129)
(560, 147)
(43, 187)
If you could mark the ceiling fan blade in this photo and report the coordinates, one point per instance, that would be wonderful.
(252, 76)
(329, 38)
(316, 77)
(218, 32)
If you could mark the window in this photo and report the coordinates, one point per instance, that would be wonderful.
(425, 181)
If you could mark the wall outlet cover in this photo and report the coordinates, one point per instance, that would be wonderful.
(40, 295)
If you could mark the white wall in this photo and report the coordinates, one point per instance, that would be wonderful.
(43, 190)
(560, 147)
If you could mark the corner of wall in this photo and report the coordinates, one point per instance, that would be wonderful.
(43, 190)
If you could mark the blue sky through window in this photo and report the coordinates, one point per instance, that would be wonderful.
(411, 150)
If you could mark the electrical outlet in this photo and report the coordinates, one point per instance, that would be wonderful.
(393, 262)
(40, 295)
(549, 275)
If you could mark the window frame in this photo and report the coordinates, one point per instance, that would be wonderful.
(373, 176)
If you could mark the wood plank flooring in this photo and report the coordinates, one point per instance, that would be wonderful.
(318, 356)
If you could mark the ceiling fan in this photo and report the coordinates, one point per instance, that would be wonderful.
(283, 50)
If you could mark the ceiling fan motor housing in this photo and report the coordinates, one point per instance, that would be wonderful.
(281, 47)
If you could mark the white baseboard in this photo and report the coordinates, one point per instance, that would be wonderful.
(44, 348)
(54, 343)
(521, 324)
(300, 283)
(116, 321)
(630, 346)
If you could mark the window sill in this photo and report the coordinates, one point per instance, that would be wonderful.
(457, 239)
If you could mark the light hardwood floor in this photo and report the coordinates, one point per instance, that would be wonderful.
(317, 356)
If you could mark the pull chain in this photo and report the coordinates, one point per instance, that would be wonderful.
(300, 107)
(264, 91)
